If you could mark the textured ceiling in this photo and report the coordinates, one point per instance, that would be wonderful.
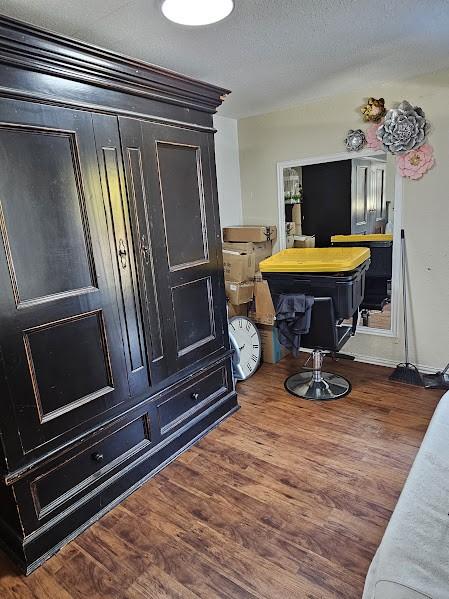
(271, 53)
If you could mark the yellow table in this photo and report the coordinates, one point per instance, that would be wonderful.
(361, 238)
(316, 260)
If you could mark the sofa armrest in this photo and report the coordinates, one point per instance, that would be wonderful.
(414, 552)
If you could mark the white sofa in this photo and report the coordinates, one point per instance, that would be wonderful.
(412, 561)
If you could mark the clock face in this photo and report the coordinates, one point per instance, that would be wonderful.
(247, 338)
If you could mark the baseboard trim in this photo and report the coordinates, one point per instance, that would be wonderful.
(391, 363)
(424, 368)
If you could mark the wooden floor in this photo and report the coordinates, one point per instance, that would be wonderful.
(287, 499)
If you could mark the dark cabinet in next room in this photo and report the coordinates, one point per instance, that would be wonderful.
(344, 197)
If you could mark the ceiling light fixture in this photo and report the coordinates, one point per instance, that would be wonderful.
(196, 12)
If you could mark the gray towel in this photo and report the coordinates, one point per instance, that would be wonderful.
(293, 315)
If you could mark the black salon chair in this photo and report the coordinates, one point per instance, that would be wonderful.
(325, 335)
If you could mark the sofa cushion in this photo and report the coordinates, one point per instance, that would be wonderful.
(392, 590)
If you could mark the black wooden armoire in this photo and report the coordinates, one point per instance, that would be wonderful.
(114, 354)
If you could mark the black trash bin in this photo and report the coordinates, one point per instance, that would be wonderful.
(380, 270)
(321, 272)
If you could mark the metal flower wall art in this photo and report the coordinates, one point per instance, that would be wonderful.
(355, 140)
(374, 110)
(401, 131)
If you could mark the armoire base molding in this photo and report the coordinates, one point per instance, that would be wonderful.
(40, 548)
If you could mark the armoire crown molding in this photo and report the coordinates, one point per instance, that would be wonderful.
(26, 45)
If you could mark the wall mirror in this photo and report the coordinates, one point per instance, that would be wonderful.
(343, 199)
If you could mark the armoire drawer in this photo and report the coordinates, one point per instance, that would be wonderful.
(194, 397)
(83, 471)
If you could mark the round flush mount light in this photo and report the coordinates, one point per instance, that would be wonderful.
(196, 12)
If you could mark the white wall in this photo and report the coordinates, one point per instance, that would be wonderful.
(228, 171)
(318, 129)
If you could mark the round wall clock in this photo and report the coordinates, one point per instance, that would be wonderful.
(247, 344)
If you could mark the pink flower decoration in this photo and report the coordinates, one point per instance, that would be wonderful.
(371, 137)
(416, 162)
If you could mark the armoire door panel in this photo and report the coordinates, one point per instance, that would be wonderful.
(69, 363)
(154, 284)
(194, 314)
(141, 218)
(171, 168)
(124, 250)
(180, 177)
(43, 265)
(60, 340)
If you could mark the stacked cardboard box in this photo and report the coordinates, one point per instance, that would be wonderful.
(304, 241)
(297, 219)
(290, 228)
(244, 247)
(239, 269)
(259, 249)
(255, 233)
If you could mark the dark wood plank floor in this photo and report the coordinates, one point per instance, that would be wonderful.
(287, 499)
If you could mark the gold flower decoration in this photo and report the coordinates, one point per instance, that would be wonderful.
(374, 110)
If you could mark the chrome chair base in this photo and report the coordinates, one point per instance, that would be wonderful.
(317, 385)
(331, 386)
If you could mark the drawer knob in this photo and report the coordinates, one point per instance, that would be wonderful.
(195, 396)
(97, 456)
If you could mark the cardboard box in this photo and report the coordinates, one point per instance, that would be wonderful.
(237, 310)
(290, 228)
(304, 241)
(296, 214)
(238, 266)
(264, 312)
(272, 350)
(261, 249)
(250, 233)
(239, 293)
(245, 247)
